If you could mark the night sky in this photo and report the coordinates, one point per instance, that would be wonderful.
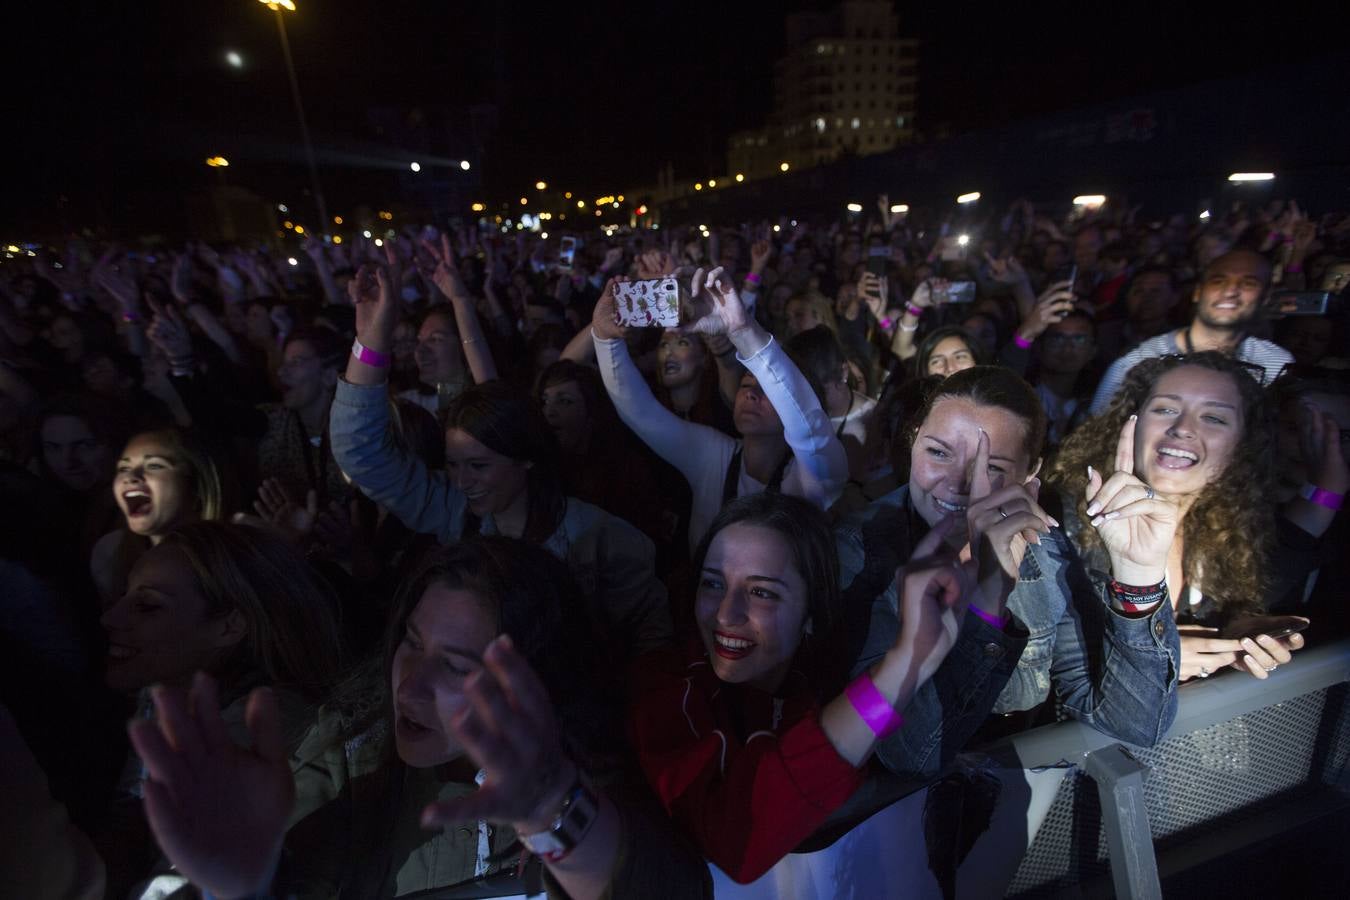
(115, 104)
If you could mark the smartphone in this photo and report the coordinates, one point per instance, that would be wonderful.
(567, 248)
(878, 257)
(654, 303)
(1254, 626)
(961, 292)
(1300, 303)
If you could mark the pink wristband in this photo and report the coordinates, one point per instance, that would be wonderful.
(993, 620)
(915, 311)
(871, 707)
(1323, 498)
(1021, 342)
(368, 356)
(752, 278)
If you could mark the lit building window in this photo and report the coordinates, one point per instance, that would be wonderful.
(856, 123)
(820, 125)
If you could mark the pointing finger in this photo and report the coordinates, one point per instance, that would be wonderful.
(1125, 447)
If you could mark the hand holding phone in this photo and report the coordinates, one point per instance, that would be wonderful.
(1271, 626)
(653, 303)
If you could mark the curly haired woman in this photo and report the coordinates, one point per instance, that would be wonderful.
(1193, 433)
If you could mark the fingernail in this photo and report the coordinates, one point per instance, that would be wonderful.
(1132, 418)
(1093, 509)
(1111, 516)
(1054, 523)
(1089, 471)
(1036, 538)
(1097, 522)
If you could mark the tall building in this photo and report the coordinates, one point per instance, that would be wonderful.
(845, 85)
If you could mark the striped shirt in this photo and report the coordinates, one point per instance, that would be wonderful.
(1271, 357)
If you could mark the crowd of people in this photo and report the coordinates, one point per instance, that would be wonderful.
(414, 567)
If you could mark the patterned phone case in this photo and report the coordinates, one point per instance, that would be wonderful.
(648, 304)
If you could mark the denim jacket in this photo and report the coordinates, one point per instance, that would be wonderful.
(1116, 673)
(611, 560)
(949, 708)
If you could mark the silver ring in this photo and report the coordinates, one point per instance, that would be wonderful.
(1002, 513)
(1271, 668)
(1204, 673)
(1148, 492)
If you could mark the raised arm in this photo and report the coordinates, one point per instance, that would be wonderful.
(687, 446)
(425, 501)
(822, 464)
(447, 281)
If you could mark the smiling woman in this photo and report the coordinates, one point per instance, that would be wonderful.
(164, 479)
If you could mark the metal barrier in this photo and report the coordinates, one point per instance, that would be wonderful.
(1245, 760)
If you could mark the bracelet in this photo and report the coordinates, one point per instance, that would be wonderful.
(1137, 598)
(915, 311)
(872, 707)
(1022, 342)
(1323, 498)
(752, 278)
(994, 621)
(904, 327)
(368, 356)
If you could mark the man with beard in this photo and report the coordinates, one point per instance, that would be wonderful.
(1228, 300)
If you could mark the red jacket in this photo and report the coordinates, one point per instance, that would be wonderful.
(748, 775)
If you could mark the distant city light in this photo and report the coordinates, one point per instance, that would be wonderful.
(524, 201)
(1252, 176)
(540, 185)
(292, 260)
(278, 5)
(783, 167)
(282, 207)
(379, 242)
(464, 164)
(899, 207)
(289, 224)
(217, 162)
(478, 207)
(299, 229)
(854, 207)
(968, 198)
(1204, 214)
(615, 204)
(777, 228)
(963, 240)
(698, 186)
(366, 234)
(739, 177)
(567, 196)
(337, 220)
(544, 235)
(233, 58)
(337, 238)
(712, 182)
(416, 167)
(581, 204)
(1092, 201)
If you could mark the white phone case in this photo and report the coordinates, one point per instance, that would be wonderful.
(648, 304)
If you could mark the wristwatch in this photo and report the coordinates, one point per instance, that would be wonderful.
(580, 808)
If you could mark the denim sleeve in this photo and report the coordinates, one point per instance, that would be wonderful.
(423, 500)
(949, 708)
(1116, 672)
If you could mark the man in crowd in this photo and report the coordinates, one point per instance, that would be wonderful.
(1228, 301)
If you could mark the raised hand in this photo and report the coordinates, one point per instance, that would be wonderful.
(375, 294)
(655, 264)
(121, 285)
(1001, 524)
(1006, 271)
(1135, 524)
(1053, 305)
(605, 316)
(760, 251)
(169, 332)
(507, 726)
(714, 306)
(929, 293)
(276, 507)
(217, 810)
(446, 275)
(872, 290)
(1319, 438)
(933, 590)
(613, 256)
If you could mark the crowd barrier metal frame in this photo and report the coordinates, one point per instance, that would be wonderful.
(1119, 775)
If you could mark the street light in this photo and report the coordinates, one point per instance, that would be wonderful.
(289, 5)
(234, 59)
(1091, 201)
(968, 198)
(739, 177)
(854, 207)
(464, 164)
(540, 185)
(783, 167)
(416, 167)
(1252, 176)
(217, 162)
(899, 207)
